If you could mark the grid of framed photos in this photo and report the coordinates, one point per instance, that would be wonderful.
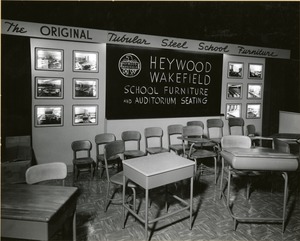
(253, 89)
(49, 86)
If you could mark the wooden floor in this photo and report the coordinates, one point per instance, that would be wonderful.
(211, 220)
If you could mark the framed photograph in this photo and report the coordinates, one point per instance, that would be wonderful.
(85, 88)
(48, 115)
(84, 61)
(253, 111)
(233, 110)
(234, 91)
(48, 87)
(235, 70)
(49, 59)
(255, 71)
(254, 91)
(85, 115)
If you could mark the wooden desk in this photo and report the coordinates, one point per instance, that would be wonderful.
(158, 170)
(257, 159)
(36, 212)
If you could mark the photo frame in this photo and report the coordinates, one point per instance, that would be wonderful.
(85, 88)
(235, 70)
(253, 111)
(49, 59)
(49, 87)
(254, 91)
(85, 115)
(233, 110)
(255, 71)
(48, 115)
(234, 91)
(85, 61)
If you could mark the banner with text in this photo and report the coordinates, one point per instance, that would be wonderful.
(159, 83)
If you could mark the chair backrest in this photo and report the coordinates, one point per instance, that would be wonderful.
(235, 141)
(81, 146)
(128, 136)
(192, 131)
(153, 132)
(102, 139)
(214, 123)
(281, 146)
(112, 149)
(251, 131)
(236, 122)
(45, 172)
(195, 123)
(175, 129)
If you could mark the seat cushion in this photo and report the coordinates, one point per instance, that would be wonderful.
(155, 150)
(134, 153)
(83, 161)
(118, 179)
(201, 153)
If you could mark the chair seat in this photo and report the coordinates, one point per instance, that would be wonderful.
(101, 157)
(176, 147)
(134, 153)
(201, 153)
(118, 179)
(155, 150)
(83, 161)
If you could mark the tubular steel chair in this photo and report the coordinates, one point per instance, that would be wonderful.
(173, 132)
(234, 141)
(215, 129)
(101, 140)
(234, 124)
(198, 153)
(112, 149)
(151, 135)
(82, 161)
(132, 136)
(197, 123)
(46, 172)
(281, 146)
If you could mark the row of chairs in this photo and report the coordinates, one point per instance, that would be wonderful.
(87, 163)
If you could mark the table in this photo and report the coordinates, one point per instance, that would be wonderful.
(258, 159)
(36, 212)
(157, 170)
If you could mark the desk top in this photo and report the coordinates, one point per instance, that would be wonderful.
(265, 159)
(159, 163)
(34, 202)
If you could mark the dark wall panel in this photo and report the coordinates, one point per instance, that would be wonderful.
(16, 86)
(158, 83)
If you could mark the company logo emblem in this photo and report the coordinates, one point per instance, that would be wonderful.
(130, 65)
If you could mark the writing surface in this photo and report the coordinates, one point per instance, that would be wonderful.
(160, 83)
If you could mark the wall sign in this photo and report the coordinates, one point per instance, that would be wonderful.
(157, 83)
(51, 31)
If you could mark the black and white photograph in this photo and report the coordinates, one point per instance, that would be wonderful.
(49, 59)
(235, 70)
(84, 61)
(85, 115)
(253, 111)
(234, 91)
(254, 91)
(188, 112)
(49, 87)
(48, 116)
(85, 88)
(255, 71)
(233, 110)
